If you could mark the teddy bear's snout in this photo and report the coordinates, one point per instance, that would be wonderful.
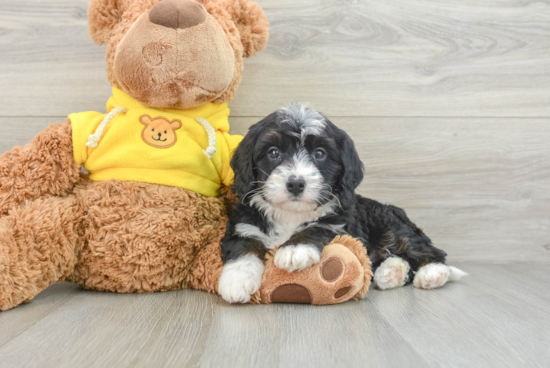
(177, 14)
(158, 135)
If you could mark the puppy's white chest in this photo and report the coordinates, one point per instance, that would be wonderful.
(287, 224)
(282, 227)
(280, 234)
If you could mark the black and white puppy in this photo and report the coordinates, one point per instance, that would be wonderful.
(295, 176)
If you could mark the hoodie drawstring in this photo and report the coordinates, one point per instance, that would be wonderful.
(209, 152)
(93, 139)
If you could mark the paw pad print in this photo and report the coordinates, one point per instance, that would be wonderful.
(338, 277)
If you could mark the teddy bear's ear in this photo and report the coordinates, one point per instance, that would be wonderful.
(103, 15)
(252, 24)
(145, 119)
(175, 124)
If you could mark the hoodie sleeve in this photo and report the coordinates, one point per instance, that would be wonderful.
(83, 124)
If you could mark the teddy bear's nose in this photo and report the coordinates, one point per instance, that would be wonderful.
(177, 14)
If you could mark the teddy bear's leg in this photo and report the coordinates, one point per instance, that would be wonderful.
(208, 265)
(37, 247)
(141, 237)
(343, 273)
(44, 167)
(207, 268)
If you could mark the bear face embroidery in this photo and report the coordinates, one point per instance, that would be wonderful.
(159, 132)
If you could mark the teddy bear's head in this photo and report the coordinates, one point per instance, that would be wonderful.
(177, 53)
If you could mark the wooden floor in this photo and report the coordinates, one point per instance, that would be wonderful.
(498, 317)
(449, 105)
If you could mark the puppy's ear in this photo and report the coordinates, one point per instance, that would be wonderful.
(253, 26)
(242, 163)
(352, 174)
(103, 15)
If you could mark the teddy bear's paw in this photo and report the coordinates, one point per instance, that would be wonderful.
(334, 278)
(435, 275)
(392, 273)
(297, 257)
(240, 279)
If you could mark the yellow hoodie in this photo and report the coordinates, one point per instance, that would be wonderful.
(159, 146)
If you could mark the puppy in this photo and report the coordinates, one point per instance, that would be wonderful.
(295, 176)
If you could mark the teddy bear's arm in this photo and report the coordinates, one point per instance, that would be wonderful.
(44, 167)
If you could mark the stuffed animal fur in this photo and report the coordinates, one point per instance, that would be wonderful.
(152, 211)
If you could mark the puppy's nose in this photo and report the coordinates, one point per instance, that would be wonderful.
(177, 14)
(295, 186)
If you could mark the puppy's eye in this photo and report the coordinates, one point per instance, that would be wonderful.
(273, 153)
(320, 154)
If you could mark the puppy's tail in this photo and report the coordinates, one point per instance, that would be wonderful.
(456, 274)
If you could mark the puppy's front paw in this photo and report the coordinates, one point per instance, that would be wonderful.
(297, 257)
(240, 279)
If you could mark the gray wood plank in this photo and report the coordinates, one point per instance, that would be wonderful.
(299, 336)
(490, 319)
(352, 58)
(398, 58)
(472, 322)
(19, 320)
(126, 330)
(532, 281)
(18, 131)
(480, 187)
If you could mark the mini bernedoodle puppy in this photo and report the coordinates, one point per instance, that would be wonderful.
(295, 176)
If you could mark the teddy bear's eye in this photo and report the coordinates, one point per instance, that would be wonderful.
(165, 132)
(153, 129)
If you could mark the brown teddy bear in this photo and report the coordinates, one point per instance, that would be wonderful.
(152, 211)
